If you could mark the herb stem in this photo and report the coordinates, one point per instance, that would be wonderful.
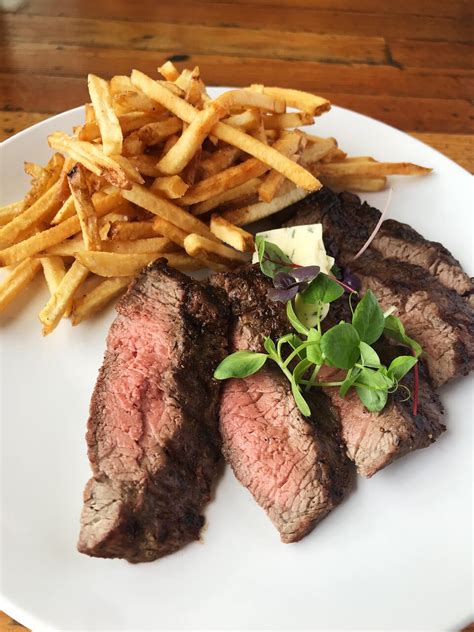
(296, 352)
(313, 377)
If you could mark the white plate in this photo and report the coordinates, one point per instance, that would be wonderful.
(394, 556)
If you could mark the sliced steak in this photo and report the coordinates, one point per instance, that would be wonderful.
(394, 240)
(294, 467)
(152, 437)
(374, 440)
(440, 319)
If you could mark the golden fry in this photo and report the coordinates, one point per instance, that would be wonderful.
(355, 183)
(18, 279)
(289, 119)
(247, 188)
(156, 132)
(233, 235)
(112, 264)
(370, 168)
(46, 205)
(167, 210)
(170, 186)
(228, 134)
(255, 212)
(169, 71)
(140, 246)
(54, 271)
(84, 208)
(197, 245)
(10, 211)
(94, 300)
(170, 231)
(110, 130)
(191, 139)
(132, 230)
(60, 301)
(309, 103)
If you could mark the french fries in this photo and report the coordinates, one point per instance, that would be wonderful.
(170, 186)
(230, 234)
(110, 130)
(255, 212)
(112, 264)
(160, 170)
(17, 281)
(197, 246)
(97, 298)
(84, 208)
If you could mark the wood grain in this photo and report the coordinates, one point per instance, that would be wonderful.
(407, 63)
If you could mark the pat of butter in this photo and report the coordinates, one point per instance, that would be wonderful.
(304, 245)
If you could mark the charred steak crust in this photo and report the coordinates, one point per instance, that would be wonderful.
(394, 240)
(152, 437)
(294, 467)
(437, 316)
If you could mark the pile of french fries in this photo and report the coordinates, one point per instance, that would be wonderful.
(159, 169)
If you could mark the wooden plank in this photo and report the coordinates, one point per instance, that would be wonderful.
(7, 624)
(448, 8)
(193, 39)
(458, 147)
(254, 16)
(41, 93)
(26, 57)
(13, 122)
(406, 113)
(431, 54)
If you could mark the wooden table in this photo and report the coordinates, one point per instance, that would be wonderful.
(408, 63)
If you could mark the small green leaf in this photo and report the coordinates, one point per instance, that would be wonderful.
(368, 355)
(340, 345)
(300, 400)
(269, 346)
(300, 370)
(372, 400)
(272, 259)
(240, 364)
(322, 289)
(349, 380)
(294, 320)
(313, 352)
(400, 366)
(368, 318)
(295, 341)
(375, 379)
(394, 329)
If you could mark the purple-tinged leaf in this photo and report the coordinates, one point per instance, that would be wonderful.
(305, 273)
(283, 295)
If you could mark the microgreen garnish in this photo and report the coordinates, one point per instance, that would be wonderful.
(345, 347)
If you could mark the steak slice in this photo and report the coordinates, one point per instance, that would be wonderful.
(294, 467)
(394, 240)
(374, 440)
(152, 437)
(440, 319)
